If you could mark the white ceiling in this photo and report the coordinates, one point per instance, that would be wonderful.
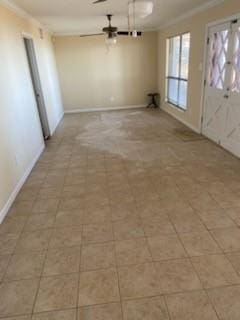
(81, 16)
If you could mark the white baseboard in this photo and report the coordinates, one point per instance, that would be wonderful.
(19, 185)
(105, 109)
(189, 125)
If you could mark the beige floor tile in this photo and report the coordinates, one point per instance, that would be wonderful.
(197, 244)
(73, 191)
(12, 225)
(96, 201)
(138, 281)
(234, 258)
(133, 251)
(57, 293)
(147, 209)
(203, 202)
(124, 211)
(66, 237)
(53, 181)
(18, 318)
(28, 193)
(39, 221)
(226, 302)
(62, 261)
(8, 243)
(25, 266)
(147, 309)
(177, 276)
(214, 219)
(157, 227)
(96, 215)
(128, 229)
(215, 271)
(228, 239)
(4, 260)
(17, 298)
(69, 218)
(186, 222)
(234, 214)
(71, 203)
(227, 200)
(96, 233)
(73, 179)
(46, 206)
(98, 287)
(49, 193)
(98, 256)
(34, 241)
(58, 315)
(21, 208)
(166, 247)
(111, 311)
(190, 306)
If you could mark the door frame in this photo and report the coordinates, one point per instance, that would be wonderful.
(205, 59)
(35, 79)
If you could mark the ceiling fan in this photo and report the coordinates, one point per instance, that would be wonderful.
(98, 1)
(110, 31)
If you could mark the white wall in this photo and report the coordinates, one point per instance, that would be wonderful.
(21, 139)
(91, 78)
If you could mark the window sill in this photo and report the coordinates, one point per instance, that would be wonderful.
(175, 106)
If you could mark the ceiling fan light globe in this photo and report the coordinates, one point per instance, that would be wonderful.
(111, 41)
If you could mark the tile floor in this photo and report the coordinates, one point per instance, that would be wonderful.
(122, 219)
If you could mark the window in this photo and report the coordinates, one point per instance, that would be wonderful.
(177, 70)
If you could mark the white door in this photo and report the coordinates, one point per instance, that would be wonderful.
(221, 118)
(231, 135)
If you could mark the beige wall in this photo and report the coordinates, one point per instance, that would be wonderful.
(92, 78)
(20, 133)
(197, 26)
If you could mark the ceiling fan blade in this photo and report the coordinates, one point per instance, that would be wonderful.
(99, 1)
(91, 35)
(126, 33)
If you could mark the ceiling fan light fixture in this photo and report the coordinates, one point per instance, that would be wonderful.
(141, 9)
(111, 40)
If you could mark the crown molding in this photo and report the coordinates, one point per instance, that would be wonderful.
(9, 4)
(191, 13)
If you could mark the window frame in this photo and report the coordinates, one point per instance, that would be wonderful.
(179, 79)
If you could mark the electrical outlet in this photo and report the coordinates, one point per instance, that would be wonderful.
(112, 99)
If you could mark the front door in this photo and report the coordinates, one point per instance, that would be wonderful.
(221, 118)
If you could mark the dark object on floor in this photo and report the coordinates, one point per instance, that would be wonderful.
(154, 100)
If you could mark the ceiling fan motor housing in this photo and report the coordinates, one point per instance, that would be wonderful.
(110, 30)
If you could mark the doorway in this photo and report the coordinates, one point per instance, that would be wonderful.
(221, 113)
(37, 88)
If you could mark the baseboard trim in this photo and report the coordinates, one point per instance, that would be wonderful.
(105, 109)
(190, 126)
(19, 185)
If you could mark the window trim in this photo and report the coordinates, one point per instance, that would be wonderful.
(178, 106)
